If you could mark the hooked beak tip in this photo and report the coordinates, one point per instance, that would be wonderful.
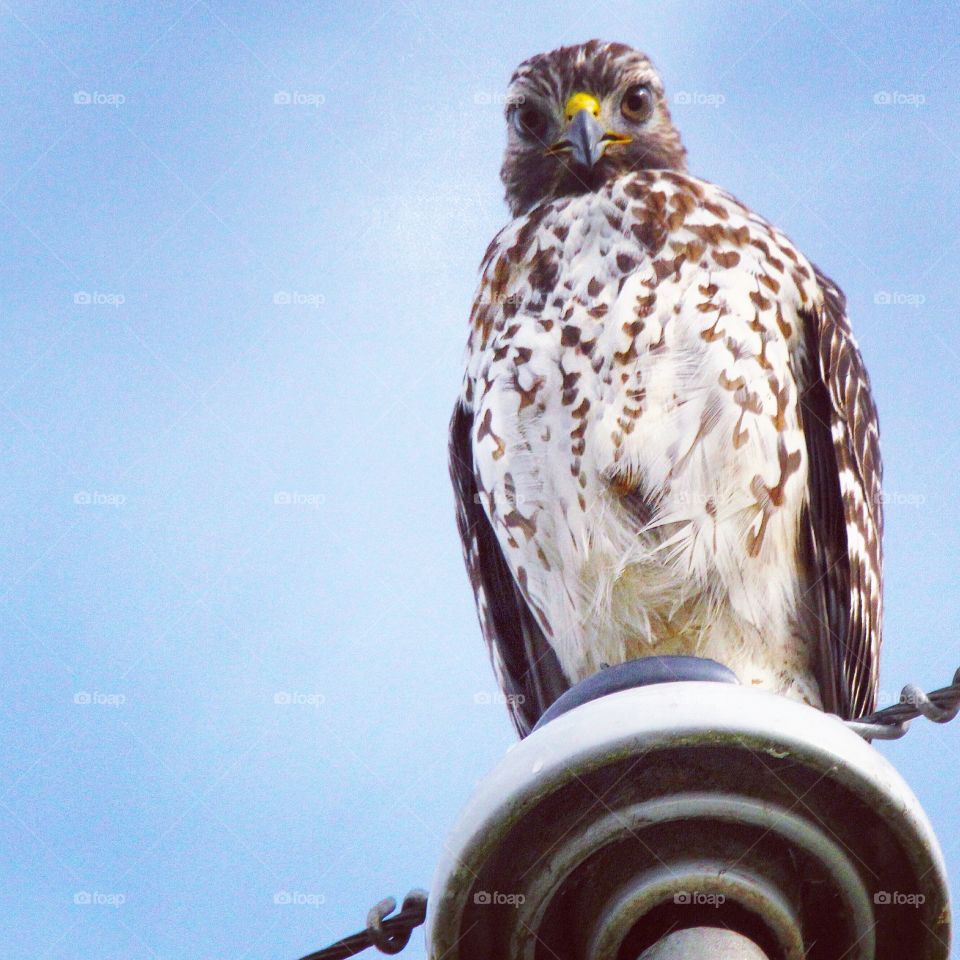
(585, 140)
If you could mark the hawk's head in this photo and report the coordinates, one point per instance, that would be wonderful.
(581, 116)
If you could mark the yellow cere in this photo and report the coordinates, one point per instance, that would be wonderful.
(581, 101)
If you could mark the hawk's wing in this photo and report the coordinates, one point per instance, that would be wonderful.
(845, 512)
(527, 669)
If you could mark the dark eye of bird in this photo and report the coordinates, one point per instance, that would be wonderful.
(637, 103)
(530, 122)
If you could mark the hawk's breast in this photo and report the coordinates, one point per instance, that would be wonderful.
(638, 446)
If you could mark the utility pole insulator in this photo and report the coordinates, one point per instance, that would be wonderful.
(689, 819)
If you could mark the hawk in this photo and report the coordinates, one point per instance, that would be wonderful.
(666, 441)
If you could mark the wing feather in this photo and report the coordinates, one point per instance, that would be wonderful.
(845, 508)
(526, 667)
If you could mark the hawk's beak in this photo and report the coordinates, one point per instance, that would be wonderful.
(585, 135)
(585, 138)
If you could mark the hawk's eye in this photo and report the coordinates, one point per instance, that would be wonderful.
(530, 122)
(637, 103)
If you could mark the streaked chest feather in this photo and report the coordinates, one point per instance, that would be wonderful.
(633, 368)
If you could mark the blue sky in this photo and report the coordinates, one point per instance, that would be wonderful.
(239, 248)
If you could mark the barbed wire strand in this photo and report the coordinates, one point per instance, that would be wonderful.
(892, 722)
(388, 934)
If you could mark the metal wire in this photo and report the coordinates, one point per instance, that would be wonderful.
(892, 722)
(388, 934)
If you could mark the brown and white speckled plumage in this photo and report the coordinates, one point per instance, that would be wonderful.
(666, 442)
